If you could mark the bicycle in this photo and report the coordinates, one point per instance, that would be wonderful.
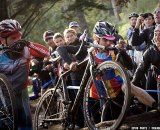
(8, 107)
(54, 107)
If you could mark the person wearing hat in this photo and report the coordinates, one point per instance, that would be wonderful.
(14, 63)
(132, 18)
(74, 25)
(48, 39)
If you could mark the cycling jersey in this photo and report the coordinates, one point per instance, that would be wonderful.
(113, 79)
(17, 70)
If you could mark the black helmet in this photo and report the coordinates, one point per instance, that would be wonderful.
(133, 14)
(104, 29)
(9, 27)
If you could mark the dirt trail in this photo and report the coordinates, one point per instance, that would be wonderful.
(145, 121)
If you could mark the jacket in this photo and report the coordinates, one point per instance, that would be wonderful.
(145, 36)
(150, 57)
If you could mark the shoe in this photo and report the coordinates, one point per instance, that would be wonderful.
(76, 127)
(156, 106)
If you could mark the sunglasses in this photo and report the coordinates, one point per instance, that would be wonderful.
(106, 40)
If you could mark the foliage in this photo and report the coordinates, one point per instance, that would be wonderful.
(29, 12)
(63, 11)
(139, 6)
(86, 4)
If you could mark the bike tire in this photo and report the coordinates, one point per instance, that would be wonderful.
(50, 107)
(8, 107)
(99, 113)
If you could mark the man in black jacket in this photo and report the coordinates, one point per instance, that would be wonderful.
(150, 57)
(146, 36)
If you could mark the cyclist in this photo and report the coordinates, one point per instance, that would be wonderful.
(14, 63)
(104, 35)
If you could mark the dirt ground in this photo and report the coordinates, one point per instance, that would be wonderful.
(145, 121)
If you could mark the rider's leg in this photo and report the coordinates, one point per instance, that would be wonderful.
(141, 95)
(24, 113)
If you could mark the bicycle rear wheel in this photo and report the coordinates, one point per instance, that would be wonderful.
(49, 111)
(107, 109)
(8, 107)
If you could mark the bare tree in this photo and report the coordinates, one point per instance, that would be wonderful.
(116, 9)
(82, 19)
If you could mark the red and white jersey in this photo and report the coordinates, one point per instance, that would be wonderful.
(17, 69)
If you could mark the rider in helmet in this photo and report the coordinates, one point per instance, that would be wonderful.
(102, 28)
(14, 63)
(104, 35)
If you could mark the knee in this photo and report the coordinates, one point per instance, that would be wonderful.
(123, 88)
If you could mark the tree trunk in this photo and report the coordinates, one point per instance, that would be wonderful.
(3, 10)
(115, 10)
(82, 19)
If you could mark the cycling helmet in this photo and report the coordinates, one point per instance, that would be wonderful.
(48, 35)
(9, 27)
(133, 14)
(104, 30)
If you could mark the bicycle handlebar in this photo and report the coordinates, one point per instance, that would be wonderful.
(4, 48)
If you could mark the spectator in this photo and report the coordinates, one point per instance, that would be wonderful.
(150, 57)
(133, 18)
(146, 36)
(74, 25)
(67, 53)
(58, 39)
(48, 39)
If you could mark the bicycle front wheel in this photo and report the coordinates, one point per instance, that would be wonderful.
(8, 107)
(105, 106)
(49, 112)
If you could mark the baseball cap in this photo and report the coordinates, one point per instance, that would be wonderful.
(133, 14)
(73, 24)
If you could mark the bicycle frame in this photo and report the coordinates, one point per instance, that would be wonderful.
(88, 71)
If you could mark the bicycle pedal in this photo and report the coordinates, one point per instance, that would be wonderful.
(66, 102)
